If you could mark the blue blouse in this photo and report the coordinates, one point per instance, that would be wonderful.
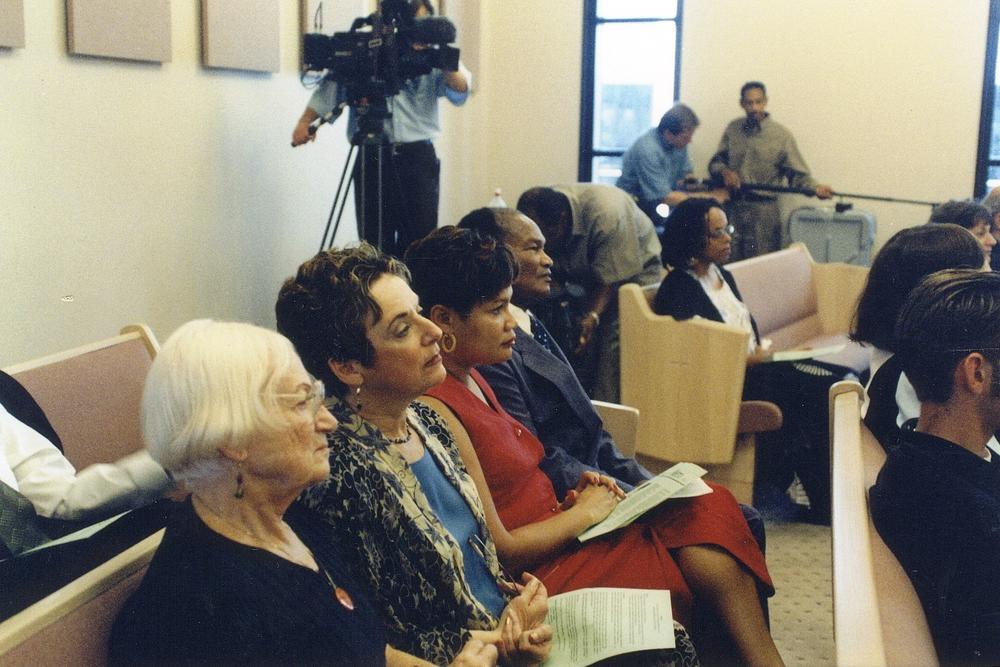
(451, 509)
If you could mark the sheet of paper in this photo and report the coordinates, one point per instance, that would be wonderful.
(648, 495)
(81, 534)
(796, 355)
(592, 624)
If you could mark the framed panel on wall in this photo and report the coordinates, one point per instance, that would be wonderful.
(241, 34)
(12, 24)
(330, 16)
(127, 29)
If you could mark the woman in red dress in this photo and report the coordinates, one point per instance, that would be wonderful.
(699, 548)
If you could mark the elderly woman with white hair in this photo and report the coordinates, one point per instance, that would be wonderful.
(230, 411)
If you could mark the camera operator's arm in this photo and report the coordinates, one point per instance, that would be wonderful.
(324, 99)
(456, 85)
(301, 133)
(457, 81)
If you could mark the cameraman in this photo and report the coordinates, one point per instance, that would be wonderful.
(410, 166)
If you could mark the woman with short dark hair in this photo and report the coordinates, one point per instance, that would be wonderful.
(698, 548)
(697, 241)
(907, 257)
(398, 499)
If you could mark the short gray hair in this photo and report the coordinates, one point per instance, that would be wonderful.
(213, 384)
(992, 201)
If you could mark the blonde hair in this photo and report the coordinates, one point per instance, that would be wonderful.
(213, 384)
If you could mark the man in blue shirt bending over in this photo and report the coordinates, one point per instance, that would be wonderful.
(658, 160)
(410, 173)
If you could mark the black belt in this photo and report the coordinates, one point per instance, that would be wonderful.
(402, 147)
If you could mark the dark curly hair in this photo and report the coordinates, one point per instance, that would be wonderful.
(324, 310)
(962, 212)
(904, 260)
(684, 236)
(459, 268)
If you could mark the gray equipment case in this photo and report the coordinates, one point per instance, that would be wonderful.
(834, 237)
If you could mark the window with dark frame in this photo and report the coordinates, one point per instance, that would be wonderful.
(988, 155)
(631, 76)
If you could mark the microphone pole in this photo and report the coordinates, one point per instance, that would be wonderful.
(810, 192)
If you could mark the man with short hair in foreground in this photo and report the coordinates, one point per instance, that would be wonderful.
(936, 502)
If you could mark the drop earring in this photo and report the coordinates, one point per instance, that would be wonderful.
(238, 494)
(357, 399)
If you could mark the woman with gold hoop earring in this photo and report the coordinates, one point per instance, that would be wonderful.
(700, 549)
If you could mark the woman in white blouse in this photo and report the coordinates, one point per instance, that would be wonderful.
(697, 240)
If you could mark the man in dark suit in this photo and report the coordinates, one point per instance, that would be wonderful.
(936, 501)
(537, 386)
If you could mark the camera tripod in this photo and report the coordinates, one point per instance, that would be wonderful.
(368, 137)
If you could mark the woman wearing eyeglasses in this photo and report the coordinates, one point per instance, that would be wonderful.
(230, 411)
(697, 241)
(399, 500)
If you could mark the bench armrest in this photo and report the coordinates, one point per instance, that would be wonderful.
(758, 417)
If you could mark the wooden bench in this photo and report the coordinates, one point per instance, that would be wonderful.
(686, 379)
(877, 616)
(72, 625)
(92, 394)
(621, 422)
(799, 303)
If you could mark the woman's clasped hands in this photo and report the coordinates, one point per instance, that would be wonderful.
(595, 493)
(522, 637)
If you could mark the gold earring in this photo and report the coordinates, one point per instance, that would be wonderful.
(448, 342)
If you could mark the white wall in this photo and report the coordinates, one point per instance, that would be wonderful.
(153, 193)
(160, 193)
(883, 97)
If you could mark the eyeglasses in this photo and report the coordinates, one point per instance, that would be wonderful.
(316, 396)
(728, 230)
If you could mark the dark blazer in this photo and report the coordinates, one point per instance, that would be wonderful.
(883, 411)
(937, 506)
(540, 390)
(682, 297)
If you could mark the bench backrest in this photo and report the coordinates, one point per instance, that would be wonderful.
(878, 619)
(686, 379)
(72, 625)
(91, 394)
(778, 289)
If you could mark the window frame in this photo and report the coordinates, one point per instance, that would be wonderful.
(587, 152)
(983, 160)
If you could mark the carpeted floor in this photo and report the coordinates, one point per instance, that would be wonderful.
(798, 556)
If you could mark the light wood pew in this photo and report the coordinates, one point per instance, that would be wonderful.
(878, 619)
(686, 379)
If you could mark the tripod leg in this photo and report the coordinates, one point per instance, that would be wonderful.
(336, 198)
(369, 195)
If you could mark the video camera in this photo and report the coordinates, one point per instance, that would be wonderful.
(373, 64)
